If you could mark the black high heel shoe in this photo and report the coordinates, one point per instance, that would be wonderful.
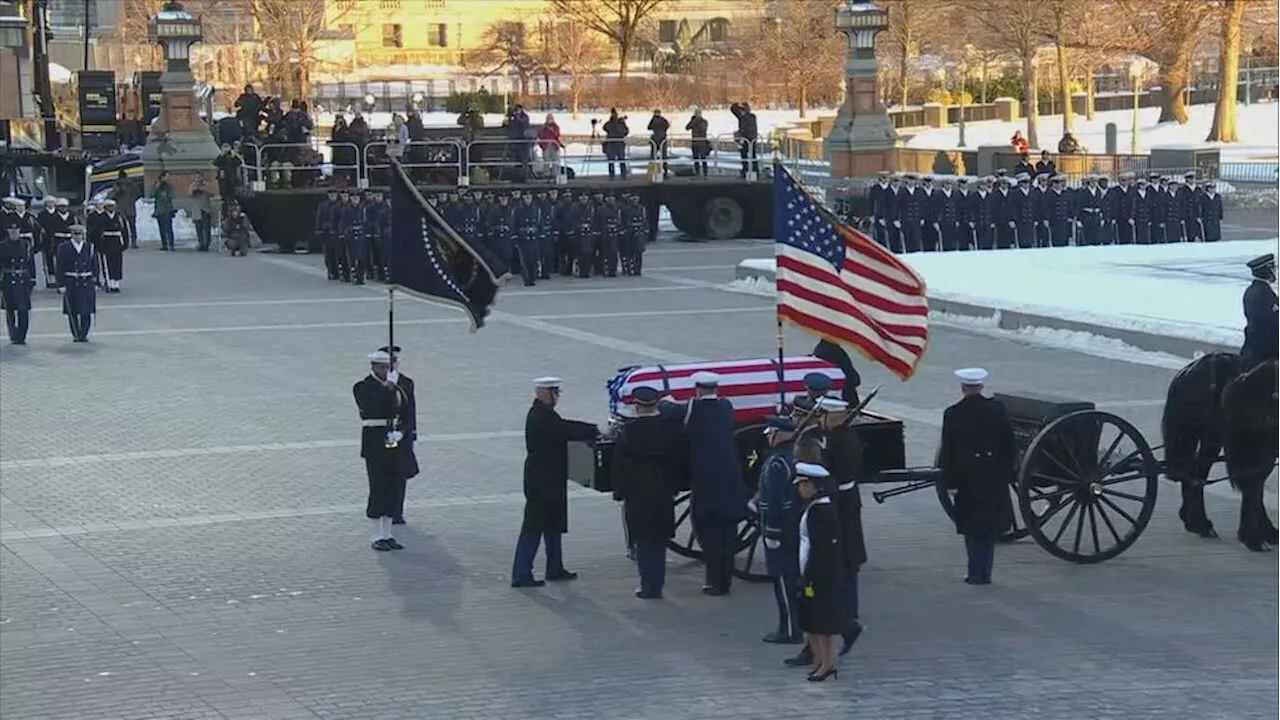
(833, 673)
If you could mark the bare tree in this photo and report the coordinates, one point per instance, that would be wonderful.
(1014, 24)
(1060, 29)
(1096, 35)
(908, 36)
(576, 52)
(620, 21)
(1224, 112)
(800, 48)
(507, 46)
(1166, 32)
(290, 33)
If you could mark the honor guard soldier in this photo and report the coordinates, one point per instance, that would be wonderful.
(326, 230)
(77, 267)
(380, 402)
(28, 226)
(47, 244)
(499, 232)
(779, 527)
(61, 234)
(1210, 213)
(526, 221)
(984, 214)
(881, 197)
(1005, 213)
(716, 480)
(546, 203)
(843, 458)
(565, 249)
(816, 387)
(635, 235)
(1261, 316)
(1192, 193)
(112, 241)
(647, 471)
(407, 424)
(609, 227)
(1142, 205)
(583, 230)
(1089, 202)
(1175, 211)
(1060, 212)
(17, 280)
(546, 476)
(977, 462)
(378, 228)
(354, 240)
(1022, 212)
(948, 210)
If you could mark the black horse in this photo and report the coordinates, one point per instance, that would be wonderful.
(1212, 406)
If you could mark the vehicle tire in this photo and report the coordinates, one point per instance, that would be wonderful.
(723, 218)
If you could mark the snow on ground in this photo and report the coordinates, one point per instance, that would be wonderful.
(1259, 126)
(184, 230)
(1186, 290)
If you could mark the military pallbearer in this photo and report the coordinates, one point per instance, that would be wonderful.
(77, 271)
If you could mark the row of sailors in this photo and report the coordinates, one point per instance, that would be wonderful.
(538, 232)
(909, 215)
(76, 271)
(45, 231)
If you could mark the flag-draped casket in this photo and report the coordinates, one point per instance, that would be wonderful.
(750, 385)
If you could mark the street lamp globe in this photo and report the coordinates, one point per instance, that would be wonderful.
(175, 30)
(861, 21)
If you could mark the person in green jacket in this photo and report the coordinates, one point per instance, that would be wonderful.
(164, 211)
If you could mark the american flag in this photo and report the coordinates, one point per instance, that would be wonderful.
(837, 283)
(751, 386)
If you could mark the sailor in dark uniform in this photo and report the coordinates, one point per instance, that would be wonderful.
(408, 424)
(112, 242)
(842, 456)
(77, 269)
(719, 498)
(779, 528)
(546, 476)
(977, 462)
(1089, 220)
(47, 243)
(380, 402)
(1261, 332)
(1210, 213)
(17, 280)
(61, 227)
(816, 387)
(821, 560)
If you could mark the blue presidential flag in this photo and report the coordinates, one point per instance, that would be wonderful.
(429, 259)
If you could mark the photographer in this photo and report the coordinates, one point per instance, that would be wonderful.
(747, 134)
(615, 143)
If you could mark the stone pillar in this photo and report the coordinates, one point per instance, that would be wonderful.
(179, 141)
(862, 140)
(935, 115)
(1007, 109)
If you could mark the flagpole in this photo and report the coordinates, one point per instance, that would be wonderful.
(391, 288)
(782, 368)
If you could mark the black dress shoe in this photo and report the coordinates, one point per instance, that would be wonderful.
(527, 583)
(647, 596)
(977, 581)
(380, 545)
(393, 544)
(850, 637)
(714, 592)
(397, 521)
(804, 659)
(778, 638)
(819, 677)
(561, 576)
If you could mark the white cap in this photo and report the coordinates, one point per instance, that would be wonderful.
(972, 376)
(63, 202)
(49, 199)
(805, 471)
(109, 202)
(832, 405)
(702, 378)
(547, 383)
(11, 200)
(380, 357)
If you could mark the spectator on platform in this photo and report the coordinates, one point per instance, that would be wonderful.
(398, 134)
(1019, 143)
(697, 127)
(549, 141)
(658, 129)
(1068, 145)
(248, 109)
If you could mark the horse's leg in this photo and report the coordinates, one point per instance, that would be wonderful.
(1189, 455)
(1253, 512)
(1206, 455)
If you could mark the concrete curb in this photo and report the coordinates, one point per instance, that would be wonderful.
(1018, 320)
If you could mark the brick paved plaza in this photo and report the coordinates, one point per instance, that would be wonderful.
(183, 531)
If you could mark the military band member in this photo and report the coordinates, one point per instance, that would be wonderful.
(1262, 317)
(407, 423)
(646, 472)
(112, 241)
(47, 243)
(77, 268)
(17, 280)
(977, 459)
(779, 528)
(546, 493)
(380, 402)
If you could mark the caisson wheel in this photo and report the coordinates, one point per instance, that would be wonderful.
(749, 565)
(1090, 481)
(723, 218)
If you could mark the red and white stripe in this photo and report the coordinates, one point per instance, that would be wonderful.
(875, 303)
(750, 385)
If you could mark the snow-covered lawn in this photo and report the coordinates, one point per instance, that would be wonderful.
(1187, 290)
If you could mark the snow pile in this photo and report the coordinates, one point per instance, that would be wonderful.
(763, 287)
(1186, 290)
(184, 230)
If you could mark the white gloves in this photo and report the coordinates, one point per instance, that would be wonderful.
(897, 223)
(394, 437)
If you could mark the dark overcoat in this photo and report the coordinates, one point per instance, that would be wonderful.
(977, 461)
(546, 467)
(76, 273)
(822, 570)
(17, 274)
(1262, 329)
(715, 470)
(843, 457)
(408, 426)
(646, 475)
(377, 402)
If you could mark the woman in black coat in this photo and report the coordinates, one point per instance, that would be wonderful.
(822, 612)
(646, 473)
